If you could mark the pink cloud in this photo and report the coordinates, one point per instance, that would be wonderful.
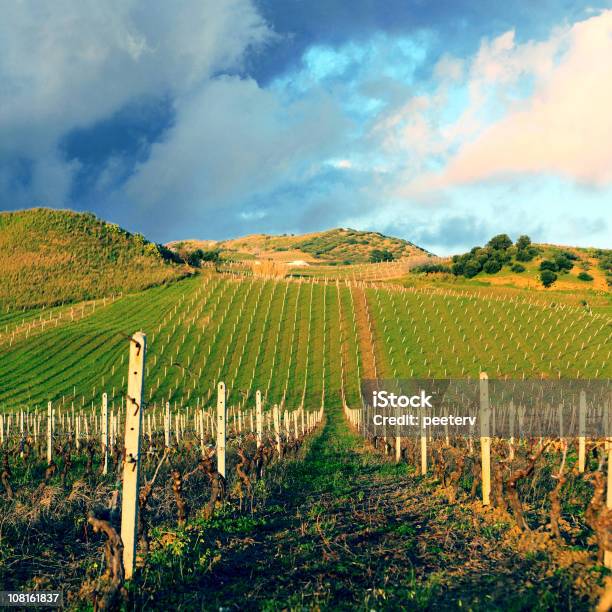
(564, 128)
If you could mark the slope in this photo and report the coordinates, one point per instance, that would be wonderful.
(338, 245)
(52, 256)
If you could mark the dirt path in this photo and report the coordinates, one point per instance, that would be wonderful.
(349, 530)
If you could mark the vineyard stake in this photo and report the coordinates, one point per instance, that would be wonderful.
(485, 440)
(581, 432)
(131, 466)
(258, 418)
(167, 425)
(105, 432)
(423, 454)
(277, 430)
(221, 418)
(49, 433)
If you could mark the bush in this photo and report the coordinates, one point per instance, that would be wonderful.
(523, 243)
(492, 266)
(548, 277)
(472, 268)
(458, 268)
(517, 267)
(431, 268)
(378, 255)
(526, 254)
(548, 265)
(500, 242)
(563, 262)
(585, 276)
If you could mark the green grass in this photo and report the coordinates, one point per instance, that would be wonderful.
(290, 340)
(49, 257)
(344, 528)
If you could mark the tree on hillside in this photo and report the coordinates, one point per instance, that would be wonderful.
(524, 249)
(378, 255)
(523, 242)
(548, 277)
(492, 266)
(195, 258)
(500, 242)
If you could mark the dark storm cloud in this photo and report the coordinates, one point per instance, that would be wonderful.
(459, 24)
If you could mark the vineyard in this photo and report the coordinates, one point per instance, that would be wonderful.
(267, 460)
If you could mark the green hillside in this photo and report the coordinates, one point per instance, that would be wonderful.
(298, 342)
(53, 256)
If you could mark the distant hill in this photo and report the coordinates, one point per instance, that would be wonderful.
(53, 256)
(530, 266)
(336, 245)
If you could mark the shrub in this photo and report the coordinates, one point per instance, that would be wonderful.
(526, 254)
(472, 268)
(431, 268)
(563, 262)
(585, 276)
(500, 242)
(523, 243)
(378, 255)
(458, 268)
(548, 277)
(548, 265)
(492, 266)
(517, 267)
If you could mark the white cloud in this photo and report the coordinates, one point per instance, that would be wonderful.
(233, 140)
(69, 64)
(563, 127)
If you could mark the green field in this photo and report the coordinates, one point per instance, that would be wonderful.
(298, 342)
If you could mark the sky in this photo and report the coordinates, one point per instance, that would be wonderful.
(442, 122)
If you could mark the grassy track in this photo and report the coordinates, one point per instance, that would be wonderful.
(348, 530)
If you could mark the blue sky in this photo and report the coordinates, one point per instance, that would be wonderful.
(441, 122)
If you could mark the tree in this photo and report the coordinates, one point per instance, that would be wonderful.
(585, 276)
(492, 266)
(548, 277)
(563, 262)
(472, 268)
(195, 258)
(523, 242)
(458, 268)
(517, 267)
(500, 242)
(378, 255)
(548, 265)
(526, 254)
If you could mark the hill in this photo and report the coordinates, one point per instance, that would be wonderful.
(339, 246)
(527, 266)
(52, 256)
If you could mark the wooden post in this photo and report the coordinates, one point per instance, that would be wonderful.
(423, 453)
(131, 466)
(167, 426)
(582, 432)
(485, 439)
(277, 429)
(105, 432)
(221, 419)
(258, 418)
(49, 433)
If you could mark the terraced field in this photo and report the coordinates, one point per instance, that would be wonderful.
(299, 342)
